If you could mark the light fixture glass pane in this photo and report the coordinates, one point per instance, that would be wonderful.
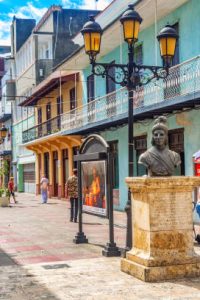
(95, 42)
(167, 46)
(131, 30)
(87, 41)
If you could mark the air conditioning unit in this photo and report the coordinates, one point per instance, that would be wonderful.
(41, 72)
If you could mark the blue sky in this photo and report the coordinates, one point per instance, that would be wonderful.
(35, 9)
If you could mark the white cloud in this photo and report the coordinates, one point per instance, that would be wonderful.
(4, 32)
(86, 4)
(28, 11)
(101, 4)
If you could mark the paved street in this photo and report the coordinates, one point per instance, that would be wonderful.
(39, 260)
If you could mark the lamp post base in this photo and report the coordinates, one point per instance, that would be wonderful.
(111, 250)
(80, 238)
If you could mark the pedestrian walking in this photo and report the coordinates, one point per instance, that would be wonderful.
(11, 189)
(44, 189)
(72, 193)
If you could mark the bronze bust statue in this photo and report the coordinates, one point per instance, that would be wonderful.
(159, 160)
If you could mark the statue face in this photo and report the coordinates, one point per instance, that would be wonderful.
(159, 137)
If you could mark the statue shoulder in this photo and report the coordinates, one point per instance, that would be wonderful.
(145, 158)
(176, 158)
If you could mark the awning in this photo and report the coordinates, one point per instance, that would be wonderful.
(48, 85)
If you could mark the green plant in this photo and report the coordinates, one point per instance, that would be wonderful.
(4, 192)
(4, 169)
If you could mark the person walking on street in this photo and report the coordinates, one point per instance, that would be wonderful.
(44, 189)
(11, 188)
(72, 193)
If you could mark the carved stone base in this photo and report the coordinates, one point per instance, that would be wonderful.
(159, 273)
(162, 229)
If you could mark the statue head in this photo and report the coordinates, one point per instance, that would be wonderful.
(160, 132)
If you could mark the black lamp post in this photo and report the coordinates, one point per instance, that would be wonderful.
(130, 75)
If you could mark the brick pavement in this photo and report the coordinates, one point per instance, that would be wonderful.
(32, 232)
(39, 261)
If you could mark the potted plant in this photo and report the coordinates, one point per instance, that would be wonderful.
(4, 192)
(4, 197)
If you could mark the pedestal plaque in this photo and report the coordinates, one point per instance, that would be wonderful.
(162, 229)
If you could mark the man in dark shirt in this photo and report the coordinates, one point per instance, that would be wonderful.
(72, 193)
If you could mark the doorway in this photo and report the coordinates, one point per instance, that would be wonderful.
(55, 172)
(176, 143)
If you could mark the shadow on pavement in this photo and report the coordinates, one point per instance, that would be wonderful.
(18, 284)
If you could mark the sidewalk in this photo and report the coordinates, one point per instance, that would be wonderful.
(32, 232)
(39, 260)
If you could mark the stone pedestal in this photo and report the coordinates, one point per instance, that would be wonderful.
(162, 229)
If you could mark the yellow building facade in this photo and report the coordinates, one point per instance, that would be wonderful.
(53, 98)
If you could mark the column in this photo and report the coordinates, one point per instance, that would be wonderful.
(37, 173)
(70, 158)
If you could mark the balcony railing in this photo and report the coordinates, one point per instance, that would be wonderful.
(183, 79)
(49, 127)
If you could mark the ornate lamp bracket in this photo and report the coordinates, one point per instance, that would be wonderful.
(119, 73)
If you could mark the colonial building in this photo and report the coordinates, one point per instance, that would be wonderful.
(5, 114)
(36, 49)
(101, 106)
(105, 104)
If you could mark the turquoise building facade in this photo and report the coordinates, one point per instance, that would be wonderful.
(184, 122)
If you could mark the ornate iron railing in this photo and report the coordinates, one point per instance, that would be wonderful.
(49, 127)
(183, 79)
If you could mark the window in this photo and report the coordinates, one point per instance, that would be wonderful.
(138, 55)
(140, 147)
(48, 117)
(110, 87)
(39, 122)
(72, 95)
(176, 143)
(59, 105)
(90, 88)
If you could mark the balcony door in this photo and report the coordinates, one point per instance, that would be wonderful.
(46, 164)
(65, 165)
(39, 122)
(110, 88)
(48, 117)
(59, 111)
(91, 97)
(72, 97)
(176, 143)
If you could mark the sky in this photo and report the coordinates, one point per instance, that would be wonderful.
(35, 9)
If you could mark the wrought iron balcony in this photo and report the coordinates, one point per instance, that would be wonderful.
(47, 128)
(183, 80)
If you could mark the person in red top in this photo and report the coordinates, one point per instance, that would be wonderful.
(11, 188)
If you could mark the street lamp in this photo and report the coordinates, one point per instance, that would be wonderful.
(3, 132)
(130, 75)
